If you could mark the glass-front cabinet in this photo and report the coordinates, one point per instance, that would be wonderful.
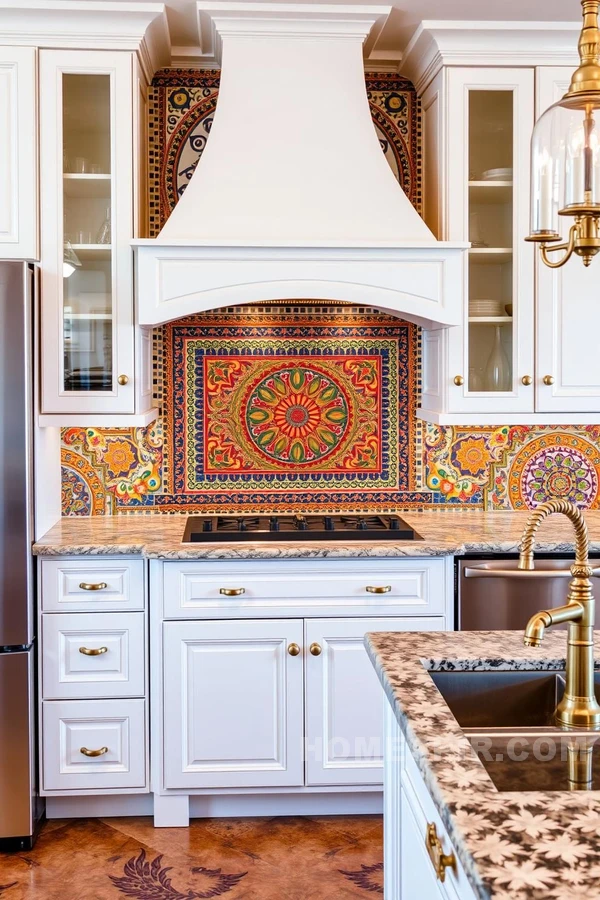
(477, 124)
(86, 116)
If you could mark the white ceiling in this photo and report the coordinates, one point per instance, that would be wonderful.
(398, 29)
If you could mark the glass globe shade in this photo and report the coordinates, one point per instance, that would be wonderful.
(565, 162)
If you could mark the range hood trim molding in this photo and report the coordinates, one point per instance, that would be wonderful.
(422, 284)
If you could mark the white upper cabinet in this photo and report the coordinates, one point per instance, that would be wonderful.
(88, 170)
(18, 154)
(567, 307)
(476, 130)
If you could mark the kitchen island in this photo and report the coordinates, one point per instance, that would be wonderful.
(520, 843)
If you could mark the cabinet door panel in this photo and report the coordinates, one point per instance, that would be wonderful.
(568, 313)
(344, 743)
(233, 710)
(18, 156)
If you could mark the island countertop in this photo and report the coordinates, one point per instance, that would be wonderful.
(443, 532)
(530, 844)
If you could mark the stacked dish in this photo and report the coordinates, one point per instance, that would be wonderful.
(504, 174)
(482, 308)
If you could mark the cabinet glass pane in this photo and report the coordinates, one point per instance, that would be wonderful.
(87, 262)
(490, 206)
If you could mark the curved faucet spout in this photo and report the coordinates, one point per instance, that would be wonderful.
(578, 707)
(573, 513)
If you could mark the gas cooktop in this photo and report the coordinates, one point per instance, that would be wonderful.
(298, 528)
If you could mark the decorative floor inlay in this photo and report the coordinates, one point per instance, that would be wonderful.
(316, 858)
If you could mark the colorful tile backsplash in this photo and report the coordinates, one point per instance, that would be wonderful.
(311, 407)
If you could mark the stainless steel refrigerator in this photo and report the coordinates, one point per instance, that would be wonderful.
(20, 807)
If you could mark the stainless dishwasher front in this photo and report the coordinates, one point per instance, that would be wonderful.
(494, 595)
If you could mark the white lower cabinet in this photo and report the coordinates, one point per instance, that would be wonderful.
(409, 814)
(344, 739)
(233, 714)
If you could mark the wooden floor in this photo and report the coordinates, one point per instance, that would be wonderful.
(240, 859)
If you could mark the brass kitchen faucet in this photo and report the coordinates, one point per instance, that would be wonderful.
(578, 707)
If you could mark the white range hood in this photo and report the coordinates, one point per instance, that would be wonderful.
(292, 198)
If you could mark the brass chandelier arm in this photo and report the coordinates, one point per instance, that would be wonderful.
(569, 246)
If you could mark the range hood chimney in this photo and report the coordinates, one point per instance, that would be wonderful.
(292, 197)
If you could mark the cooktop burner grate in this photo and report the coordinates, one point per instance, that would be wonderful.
(298, 527)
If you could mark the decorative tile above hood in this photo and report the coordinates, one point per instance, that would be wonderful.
(278, 208)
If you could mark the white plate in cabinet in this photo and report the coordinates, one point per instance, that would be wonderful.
(233, 711)
(93, 655)
(414, 586)
(92, 585)
(93, 745)
(344, 723)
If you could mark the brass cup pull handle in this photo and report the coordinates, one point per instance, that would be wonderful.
(378, 589)
(232, 592)
(315, 649)
(99, 586)
(99, 752)
(440, 860)
(97, 651)
(548, 380)
(293, 649)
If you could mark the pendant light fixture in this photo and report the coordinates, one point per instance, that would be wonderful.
(565, 159)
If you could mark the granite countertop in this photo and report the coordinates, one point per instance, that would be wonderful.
(530, 844)
(445, 533)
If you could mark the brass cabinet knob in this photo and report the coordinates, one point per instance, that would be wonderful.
(99, 752)
(99, 586)
(440, 860)
(93, 652)
(315, 649)
(458, 380)
(232, 592)
(293, 649)
(548, 379)
(123, 379)
(378, 589)
(526, 380)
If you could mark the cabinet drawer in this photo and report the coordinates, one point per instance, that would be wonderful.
(116, 728)
(93, 585)
(331, 587)
(415, 795)
(93, 655)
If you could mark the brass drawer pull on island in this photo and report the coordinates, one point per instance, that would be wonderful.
(99, 586)
(315, 649)
(232, 592)
(381, 589)
(94, 652)
(440, 860)
(99, 752)
(293, 649)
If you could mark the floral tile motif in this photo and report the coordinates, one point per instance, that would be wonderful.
(458, 460)
(103, 467)
(543, 462)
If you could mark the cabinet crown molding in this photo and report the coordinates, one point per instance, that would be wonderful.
(438, 43)
(90, 25)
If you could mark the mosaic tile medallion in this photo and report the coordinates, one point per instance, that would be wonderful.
(544, 462)
(269, 406)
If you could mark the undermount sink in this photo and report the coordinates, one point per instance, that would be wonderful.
(503, 699)
(507, 717)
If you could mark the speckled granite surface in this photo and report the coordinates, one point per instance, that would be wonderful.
(529, 844)
(444, 533)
